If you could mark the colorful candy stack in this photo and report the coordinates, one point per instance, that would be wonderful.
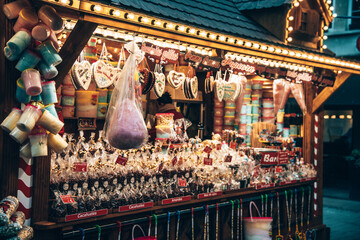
(35, 65)
(86, 104)
(280, 120)
(268, 114)
(68, 97)
(218, 115)
(256, 95)
(229, 115)
(102, 102)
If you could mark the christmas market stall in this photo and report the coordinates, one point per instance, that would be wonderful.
(171, 119)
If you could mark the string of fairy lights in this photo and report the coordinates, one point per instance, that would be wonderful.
(136, 18)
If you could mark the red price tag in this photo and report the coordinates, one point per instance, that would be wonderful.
(161, 166)
(218, 146)
(80, 167)
(174, 161)
(207, 149)
(269, 158)
(66, 199)
(233, 145)
(182, 182)
(121, 160)
(208, 161)
(228, 158)
(283, 157)
(278, 169)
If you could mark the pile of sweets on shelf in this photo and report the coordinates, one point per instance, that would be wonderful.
(113, 178)
(12, 222)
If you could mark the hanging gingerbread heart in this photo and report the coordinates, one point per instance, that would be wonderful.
(159, 86)
(81, 74)
(102, 74)
(175, 79)
(231, 90)
(219, 87)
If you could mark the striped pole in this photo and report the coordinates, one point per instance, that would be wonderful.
(316, 142)
(24, 193)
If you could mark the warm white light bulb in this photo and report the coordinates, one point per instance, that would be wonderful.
(222, 38)
(324, 46)
(291, 18)
(325, 37)
(271, 49)
(131, 16)
(290, 29)
(192, 31)
(289, 39)
(332, 8)
(296, 4)
(212, 36)
(326, 28)
(117, 13)
(97, 8)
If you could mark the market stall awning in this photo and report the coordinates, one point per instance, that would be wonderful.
(200, 23)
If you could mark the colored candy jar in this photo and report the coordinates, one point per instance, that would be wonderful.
(38, 144)
(50, 122)
(255, 118)
(28, 59)
(27, 19)
(268, 112)
(247, 101)
(68, 111)
(229, 113)
(28, 118)
(268, 103)
(12, 9)
(86, 103)
(257, 84)
(248, 128)
(255, 99)
(36, 98)
(57, 143)
(32, 81)
(218, 121)
(102, 109)
(68, 89)
(17, 44)
(25, 151)
(10, 121)
(218, 129)
(218, 104)
(21, 94)
(286, 132)
(47, 71)
(49, 53)
(230, 104)
(243, 118)
(18, 135)
(249, 109)
(103, 95)
(268, 119)
(280, 116)
(255, 109)
(293, 130)
(67, 80)
(49, 16)
(41, 32)
(51, 108)
(244, 109)
(280, 126)
(218, 112)
(248, 119)
(68, 100)
(242, 129)
(229, 120)
(48, 93)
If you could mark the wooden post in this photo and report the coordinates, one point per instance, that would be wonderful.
(9, 149)
(73, 46)
(308, 141)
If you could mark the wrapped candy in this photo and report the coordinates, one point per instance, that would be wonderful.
(298, 91)
(26, 233)
(124, 126)
(8, 207)
(285, 95)
(278, 93)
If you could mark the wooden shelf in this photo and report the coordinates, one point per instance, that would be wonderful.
(47, 225)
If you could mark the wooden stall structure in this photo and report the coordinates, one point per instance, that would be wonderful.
(289, 34)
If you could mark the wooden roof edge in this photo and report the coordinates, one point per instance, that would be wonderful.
(137, 27)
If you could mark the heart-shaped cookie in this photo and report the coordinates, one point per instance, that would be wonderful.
(219, 84)
(231, 90)
(159, 86)
(103, 74)
(176, 79)
(81, 74)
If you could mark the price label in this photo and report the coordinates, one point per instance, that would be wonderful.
(174, 161)
(182, 182)
(269, 158)
(283, 157)
(80, 167)
(66, 199)
(278, 169)
(121, 160)
(208, 161)
(228, 158)
(233, 145)
(207, 149)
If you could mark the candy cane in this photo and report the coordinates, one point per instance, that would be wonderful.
(24, 193)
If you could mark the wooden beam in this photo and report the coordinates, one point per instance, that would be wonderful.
(308, 140)
(328, 91)
(73, 46)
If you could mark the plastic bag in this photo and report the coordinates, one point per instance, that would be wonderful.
(278, 93)
(298, 91)
(125, 127)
